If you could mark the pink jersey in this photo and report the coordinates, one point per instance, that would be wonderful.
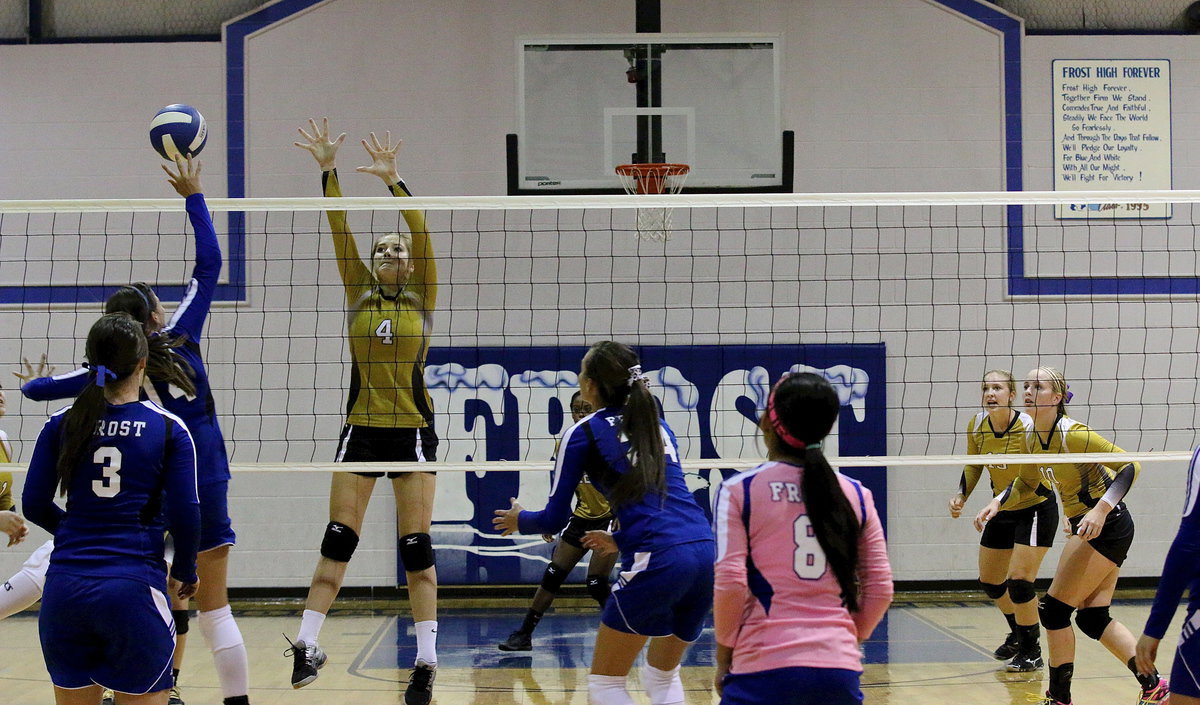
(780, 606)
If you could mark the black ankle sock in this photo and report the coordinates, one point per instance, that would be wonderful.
(1060, 682)
(1012, 622)
(1147, 682)
(175, 677)
(531, 621)
(238, 700)
(1029, 636)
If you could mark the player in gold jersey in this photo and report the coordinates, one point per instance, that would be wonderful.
(389, 307)
(1100, 532)
(592, 513)
(1015, 541)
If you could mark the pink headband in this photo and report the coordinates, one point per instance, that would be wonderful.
(780, 430)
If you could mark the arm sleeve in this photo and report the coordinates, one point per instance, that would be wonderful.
(356, 277)
(971, 473)
(730, 587)
(423, 281)
(874, 573)
(182, 505)
(37, 499)
(64, 386)
(189, 318)
(1120, 484)
(568, 472)
(1085, 440)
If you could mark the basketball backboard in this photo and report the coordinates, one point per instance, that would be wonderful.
(587, 104)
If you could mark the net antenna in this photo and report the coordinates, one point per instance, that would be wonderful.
(653, 224)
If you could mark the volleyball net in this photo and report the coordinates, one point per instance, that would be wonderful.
(902, 301)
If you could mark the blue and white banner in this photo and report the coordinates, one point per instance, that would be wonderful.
(514, 403)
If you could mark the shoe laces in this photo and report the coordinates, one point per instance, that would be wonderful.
(308, 650)
(421, 676)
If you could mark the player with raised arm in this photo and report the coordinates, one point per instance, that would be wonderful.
(664, 591)
(591, 513)
(179, 382)
(1015, 541)
(120, 461)
(1100, 532)
(389, 418)
(1181, 570)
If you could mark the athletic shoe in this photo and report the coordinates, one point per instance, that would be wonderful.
(107, 697)
(1011, 647)
(1044, 699)
(517, 641)
(174, 698)
(420, 684)
(1158, 695)
(1022, 663)
(307, 659)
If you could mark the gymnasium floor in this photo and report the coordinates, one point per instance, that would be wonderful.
(924, 653)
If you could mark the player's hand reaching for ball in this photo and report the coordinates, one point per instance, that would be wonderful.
(317, 142)
(507, 521)
(383, 158)
(186, 177)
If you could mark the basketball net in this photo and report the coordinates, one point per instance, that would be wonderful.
(653, 223)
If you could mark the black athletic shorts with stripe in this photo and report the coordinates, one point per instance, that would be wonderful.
(368, 444)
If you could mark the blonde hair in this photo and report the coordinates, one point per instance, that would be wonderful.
(1012, 381)
(1058, 382)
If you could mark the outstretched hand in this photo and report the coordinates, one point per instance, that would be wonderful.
(317, 142)
(383, 158)
(507, 521)
(28, 373)
(186, 178)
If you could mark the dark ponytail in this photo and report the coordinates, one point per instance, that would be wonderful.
(801, 410)
(139, 301)
(115, 344)
(616, 371)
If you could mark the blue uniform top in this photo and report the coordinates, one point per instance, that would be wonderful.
(198, 412)
(114, 521)
(594, 447)
(1182, 567)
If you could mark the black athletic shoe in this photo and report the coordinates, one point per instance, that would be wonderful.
(307, 659)
(517, 641)
(1010, 648)
(420, 684)
(1023, 663)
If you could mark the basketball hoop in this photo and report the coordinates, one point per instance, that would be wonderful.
(641, 179)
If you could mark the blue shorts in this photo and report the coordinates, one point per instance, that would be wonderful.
(215, 528)
(1185, 672)
(663, 593)
(793, 686)
(114, 632)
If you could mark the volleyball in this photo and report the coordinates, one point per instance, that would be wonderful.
(178, 130)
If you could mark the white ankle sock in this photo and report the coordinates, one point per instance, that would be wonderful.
(663, 687)
(427, 641)
(310, 626)
(224, 639)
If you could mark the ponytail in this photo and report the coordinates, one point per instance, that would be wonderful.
(801, 411)
(162, 365)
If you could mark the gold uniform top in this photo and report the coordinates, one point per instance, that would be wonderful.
(984, 439)
(6, 482)
(389, 336)
(590, 502)
(1081, 485)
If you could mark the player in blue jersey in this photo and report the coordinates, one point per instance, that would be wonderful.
(665, 588)
(105, 620)
(1181, 569)
(179, 381)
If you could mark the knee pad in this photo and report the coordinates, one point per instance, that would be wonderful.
(553, 578)
(598, 588)
(1054, 613)
(416, 552)
(220, 629)
(607, 690)
(339, 542)
(993, 590)
(1021, 591)
(663, 687)
(1093, 621)
(181, 621)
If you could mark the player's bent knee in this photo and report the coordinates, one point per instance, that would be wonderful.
(1093, 621)
(1021, 591)
(1054, 613)
(553, 578)
(598, 588)
(993, 590)
(181, 621)
(416, 552)
(339, 542)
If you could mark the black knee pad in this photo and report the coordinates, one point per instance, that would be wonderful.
(181, 621)
(1092, 621)
(339, 542)
(1021, 591)
(1054, 613)
(598, 588)
(993, 590)
(416, 552)
(553, 578)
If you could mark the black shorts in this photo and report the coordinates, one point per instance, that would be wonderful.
(1116, 537)
(578, 526)
(1031, 526)
(367, 444)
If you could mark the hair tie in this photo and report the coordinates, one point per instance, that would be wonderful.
(100, 374)
(635, 375)
(1068, 395)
